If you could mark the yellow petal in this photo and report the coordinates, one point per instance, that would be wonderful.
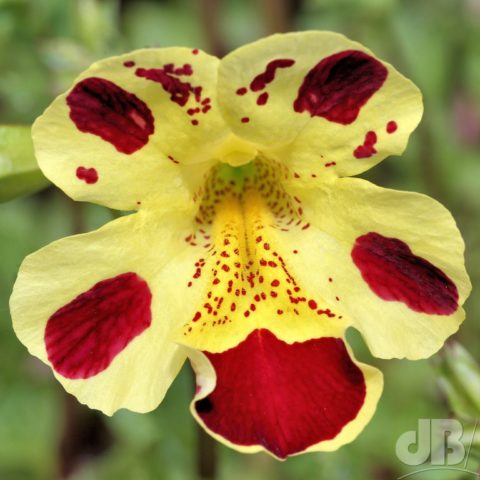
(102, 308)
(320, 103)
(123, 132)
(391, 261)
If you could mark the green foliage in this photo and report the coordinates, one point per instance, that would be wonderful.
(19, 172)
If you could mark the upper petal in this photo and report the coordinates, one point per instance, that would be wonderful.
(123, 133)
(320, 103)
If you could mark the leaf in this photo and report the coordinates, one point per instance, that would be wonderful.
(460, 380)
(19, 172)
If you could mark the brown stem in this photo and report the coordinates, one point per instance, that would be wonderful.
(210, 13)
(206, 455)
(279, 15)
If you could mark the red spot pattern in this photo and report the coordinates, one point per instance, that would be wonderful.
(395, 273)
(263, 79)
(101, 107)
(266, 77)
(84, 336)
(254, 272)
(245, 119)
(285, 397)
(88, 175)
(368, 148)
(181, 92)
(129, 64)
(340, 85)
(391, 126)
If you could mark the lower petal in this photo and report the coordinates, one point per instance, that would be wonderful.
(284, 398)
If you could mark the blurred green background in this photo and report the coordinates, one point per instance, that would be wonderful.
(44, 44)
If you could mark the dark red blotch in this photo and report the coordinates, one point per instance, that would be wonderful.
(285, 397)
(395, 273)
(84, 336)
(103, 108)
(339, 86)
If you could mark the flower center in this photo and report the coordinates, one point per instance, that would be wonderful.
(248, 223)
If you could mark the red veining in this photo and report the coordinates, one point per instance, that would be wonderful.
(395, 273)
(260, 397)
(101, 107)
(340, 85)
(88, 175)
(84, 336)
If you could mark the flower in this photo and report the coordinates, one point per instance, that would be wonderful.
(251, 250)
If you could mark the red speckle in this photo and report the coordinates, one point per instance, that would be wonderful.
(330, 164)
(261, 80)
(275, 283)
(338, 86)
(245, 119)
(262, 99)
(195, 51)
(129, 63)
(368, 148)
(309, 408)
(88, 175)
(312, 304)
(173, 160)
(391, 126)
(241, 91)
(197, 316)
(83, 337)
(395, 273)
(180, 91)
(102, 108)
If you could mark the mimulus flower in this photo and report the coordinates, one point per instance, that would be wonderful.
(251, 250)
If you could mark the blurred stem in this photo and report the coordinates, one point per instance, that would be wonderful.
(206, 450)
(210, 12)
(206, 455)
(85, 433)
(279, 15)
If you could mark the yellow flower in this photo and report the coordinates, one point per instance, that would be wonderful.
(251, 250)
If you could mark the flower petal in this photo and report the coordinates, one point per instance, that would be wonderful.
(391, 262)
(102, 308)
(320, 103)
(284, 398)
(124, 130)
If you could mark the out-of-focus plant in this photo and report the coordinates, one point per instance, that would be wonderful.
(460, 383)
(19, 172)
